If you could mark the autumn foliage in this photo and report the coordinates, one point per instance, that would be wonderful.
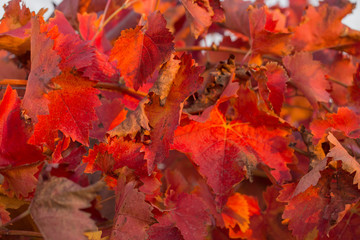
(119, 120)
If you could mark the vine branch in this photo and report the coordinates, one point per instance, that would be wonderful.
(104, 86)
(20, 233)
(216, 48)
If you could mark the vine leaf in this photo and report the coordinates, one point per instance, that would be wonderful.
(308, 76)
(175, 84)
(44, 67)
(14, 26)
(132, 214)
(144, 49)
(199, 15)
(56, 208)
(345, 120)
(14, 134)
(224, 150)
(71, 110)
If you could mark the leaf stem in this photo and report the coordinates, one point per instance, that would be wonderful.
(104, 14)
(105, 22)
(157, 3)
(337, 82)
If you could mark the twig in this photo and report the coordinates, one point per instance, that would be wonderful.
(105, 86)
(20, 233)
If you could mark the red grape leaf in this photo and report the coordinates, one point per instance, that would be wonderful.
(311, 178)
(56, 208)
(111, 113)
(337, 153)
(99, 159)
(217, 86)
(162, 86)
(70, 156)
(44, 67)
(101, 69)
(5, 215)
(89, 23)
(74, 52)
(191, 216)
(266, 36)
(79, 54)
(69, 9)
(164, 231)
(71, 111)
(223, 150)
(199, 15)
(320, 206)
(269, 221)
(340, 68)
(14, 134)
(133, 215)
(88, 27)
(349, 163)
(114, 155)
(175, 83)
(145, 7)
(276, 82)
(250, 110)
(348, 228)
(322, 28)
(14, 26)
(134, 122)
(272, 85)
(237, 16)
(344, 120)
(354, 90)
(308, 76)
(61, 24)
(237, 212)
(20, 180)
(144, 49)
(219, 14)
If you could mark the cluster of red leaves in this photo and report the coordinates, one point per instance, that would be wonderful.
(110, 130)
